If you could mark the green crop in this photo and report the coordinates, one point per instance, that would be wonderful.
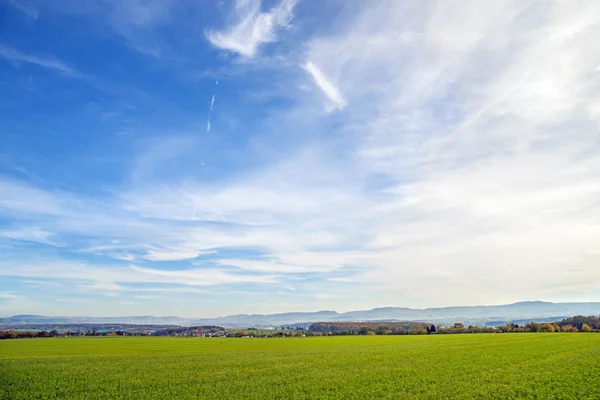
(500, 366)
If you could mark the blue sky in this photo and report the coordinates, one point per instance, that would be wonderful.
(197, 158)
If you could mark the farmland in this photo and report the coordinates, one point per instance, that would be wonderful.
(520, 365)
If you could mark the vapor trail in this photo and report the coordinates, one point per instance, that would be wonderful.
(212, 103)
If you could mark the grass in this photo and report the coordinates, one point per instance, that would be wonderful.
(501, 366)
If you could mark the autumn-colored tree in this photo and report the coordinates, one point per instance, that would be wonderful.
(547, 328)
(417, 330)
(586, 328)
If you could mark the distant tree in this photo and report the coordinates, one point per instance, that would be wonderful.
(586, 328)
(382, 330)
(417, 330)
(458, 327)
(510, 327)
(578, 321)
(503, 329)
(547, 328)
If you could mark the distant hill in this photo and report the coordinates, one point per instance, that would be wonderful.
(134, 320)
(521, 311)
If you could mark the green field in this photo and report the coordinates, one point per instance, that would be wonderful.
(502, 366)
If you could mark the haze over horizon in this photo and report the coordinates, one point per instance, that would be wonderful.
(194, 158)
(530, 311)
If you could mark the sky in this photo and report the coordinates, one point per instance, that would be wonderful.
(202, 158)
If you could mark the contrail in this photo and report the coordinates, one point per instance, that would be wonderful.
(212, 103)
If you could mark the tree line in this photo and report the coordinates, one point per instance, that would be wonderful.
(577, 323)
(20, 334)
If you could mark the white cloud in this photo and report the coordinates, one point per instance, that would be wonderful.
(181, 253)
(469, 163)
(147, 297)
(252, 27)
(31, 235)
(129, 303)
(109, 287)
(10, 296)
(332, 93)
(482, 122)
(203, 277)
(275, 267)
(110, 278)
(48, 63)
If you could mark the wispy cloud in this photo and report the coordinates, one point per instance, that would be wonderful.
(10, 296)
(252, 27)
(467, 158)
(31, 235)
(333, 94)
(204, 276)
(110, 278)
(26, 9)
(274, 267)
(48, 63)
(130, 303)
(136, 22)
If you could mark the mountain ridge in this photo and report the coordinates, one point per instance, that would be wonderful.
(472, 314)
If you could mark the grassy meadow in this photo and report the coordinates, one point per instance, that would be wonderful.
(501, 366)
